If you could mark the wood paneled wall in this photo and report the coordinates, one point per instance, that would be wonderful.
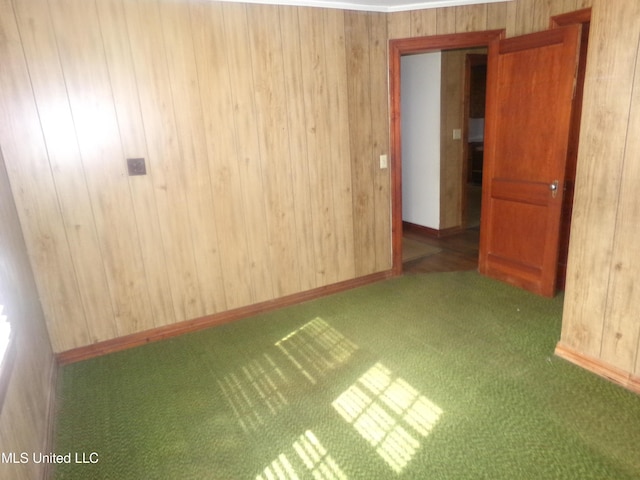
(261, 127)
(452, 151)
(24, 420)
(602, 303)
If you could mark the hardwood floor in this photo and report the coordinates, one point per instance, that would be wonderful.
(458, 252)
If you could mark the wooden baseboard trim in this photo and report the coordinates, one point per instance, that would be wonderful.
(430, 232)
(609, 372)
(168, 331)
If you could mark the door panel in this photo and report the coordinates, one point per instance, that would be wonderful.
(530, 89)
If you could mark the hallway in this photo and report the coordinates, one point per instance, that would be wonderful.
(453, 253)
(457, 252)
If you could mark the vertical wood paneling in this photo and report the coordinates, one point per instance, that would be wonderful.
(187, 108)
(563, 6)
(211, 49)
(380, 130)
(362, 158)
(611, 66)
(545, 9)
(423, 22)
(299, 178)
(50, 93)
(24, 422)
(131, 129)
(471, 18)
(510, 18)
(318, 135)
(217, 206)
(446, 20)
(542, 12)
(496, 15)
(337, 101)
(164, 162)
(400, 24)
(534, 15)
(621, 333)
(271, 103)
(87, 81)
(528, 18)
(248, 150)
(451, 151)
(35, 195)
(451, 161)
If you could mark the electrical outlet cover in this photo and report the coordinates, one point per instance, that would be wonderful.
(136, 166)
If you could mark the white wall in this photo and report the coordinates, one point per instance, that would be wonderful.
(420, 123)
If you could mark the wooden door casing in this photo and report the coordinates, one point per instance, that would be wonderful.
(409, 46)
(583, 18)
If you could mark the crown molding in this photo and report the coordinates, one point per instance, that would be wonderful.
(383, 6)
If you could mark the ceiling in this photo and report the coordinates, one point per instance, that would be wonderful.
(375, 5)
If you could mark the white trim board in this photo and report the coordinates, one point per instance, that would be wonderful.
(384, 6)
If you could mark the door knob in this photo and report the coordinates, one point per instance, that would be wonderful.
(554, 188)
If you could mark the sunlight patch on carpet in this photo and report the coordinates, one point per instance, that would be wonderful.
(257, 390)
(316, 348)
(307, 454)
(254, 391)
(389, 414)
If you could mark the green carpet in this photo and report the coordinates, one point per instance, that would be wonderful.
(441, 376)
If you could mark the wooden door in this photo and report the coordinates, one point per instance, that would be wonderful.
(530, 90)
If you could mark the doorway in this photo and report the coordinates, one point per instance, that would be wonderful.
(467, 40)
(397, 49)
(443, 110)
